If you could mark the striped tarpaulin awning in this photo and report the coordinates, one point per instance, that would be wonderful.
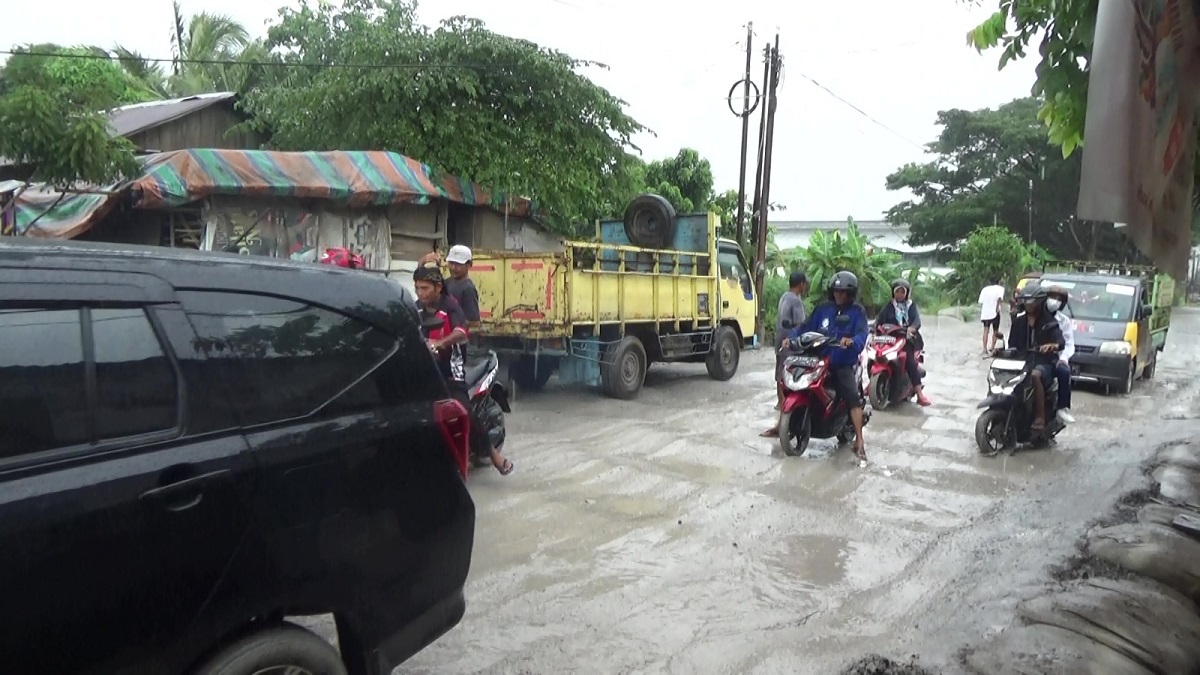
(355, 178)
(41, 211)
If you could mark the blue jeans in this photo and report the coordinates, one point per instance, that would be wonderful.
(1063, 372)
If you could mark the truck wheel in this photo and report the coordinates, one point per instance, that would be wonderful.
(1126, 386)
(623, 375)
(880, 391)
(524, 374)
(284, 647)
(650, 222)
(722, 361)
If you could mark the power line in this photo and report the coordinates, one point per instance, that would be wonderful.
(862, 112)
(280, 64)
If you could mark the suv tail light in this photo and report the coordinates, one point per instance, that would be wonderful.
(455, 424)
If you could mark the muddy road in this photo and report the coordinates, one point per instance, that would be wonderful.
(663, 535)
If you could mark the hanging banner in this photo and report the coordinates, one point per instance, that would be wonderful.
(1139, 144)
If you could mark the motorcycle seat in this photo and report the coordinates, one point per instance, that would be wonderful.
(476, 369)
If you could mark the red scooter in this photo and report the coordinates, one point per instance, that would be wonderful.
(887, 362)
(811, 409)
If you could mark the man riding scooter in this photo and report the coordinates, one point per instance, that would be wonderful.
(448, 343)
(1056, 301)
(844, 320)
(903, 312)
(1036, 329)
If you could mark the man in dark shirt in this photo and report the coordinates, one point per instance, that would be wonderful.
(1037, 329)
(459, 285)
(448, 343)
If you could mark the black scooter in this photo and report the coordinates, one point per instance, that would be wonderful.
(1010, 407)
(487, 397)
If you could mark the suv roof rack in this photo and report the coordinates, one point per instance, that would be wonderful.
(1083, 267)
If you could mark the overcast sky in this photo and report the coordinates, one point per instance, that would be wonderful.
(900, 62)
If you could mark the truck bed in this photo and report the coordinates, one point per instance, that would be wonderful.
(589, 285)
(542, 295)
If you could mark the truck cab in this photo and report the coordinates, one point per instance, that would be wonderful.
(736, 289)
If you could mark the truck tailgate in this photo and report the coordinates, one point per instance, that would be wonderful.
(521, 294)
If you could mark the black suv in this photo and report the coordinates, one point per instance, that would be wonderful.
(194, 446)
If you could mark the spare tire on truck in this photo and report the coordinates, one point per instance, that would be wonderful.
(650, 222)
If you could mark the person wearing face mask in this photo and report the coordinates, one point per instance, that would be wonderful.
(1056, 301)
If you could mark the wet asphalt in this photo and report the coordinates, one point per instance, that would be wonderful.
(663, 535)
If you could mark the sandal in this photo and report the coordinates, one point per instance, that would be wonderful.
(507, 468)
(1037, 425)
(773, 432)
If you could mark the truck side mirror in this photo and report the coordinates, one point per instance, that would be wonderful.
(1147, 311)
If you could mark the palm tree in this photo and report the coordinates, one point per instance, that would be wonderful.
(202, 48)
(147, 75)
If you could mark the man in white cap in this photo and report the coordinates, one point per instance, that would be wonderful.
(459, 285)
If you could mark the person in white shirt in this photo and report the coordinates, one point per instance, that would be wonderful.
(989, 313)
(1056, 301)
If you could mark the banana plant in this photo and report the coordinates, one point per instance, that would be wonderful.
(829, 252)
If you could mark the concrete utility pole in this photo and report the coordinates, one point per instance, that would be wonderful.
(762, 141)
(765, 198)
(745, 115)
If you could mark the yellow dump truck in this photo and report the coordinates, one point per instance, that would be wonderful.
(599, 313)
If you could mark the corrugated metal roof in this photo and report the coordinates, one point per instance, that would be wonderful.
(132, 119)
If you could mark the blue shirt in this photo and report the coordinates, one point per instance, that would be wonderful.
(824, 321)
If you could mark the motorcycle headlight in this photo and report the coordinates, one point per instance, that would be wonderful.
(801, 379)
(1003, 382)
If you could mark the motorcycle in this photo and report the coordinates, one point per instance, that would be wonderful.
(811, 408)
(487, 398)
(889, 381)
(1009, 407)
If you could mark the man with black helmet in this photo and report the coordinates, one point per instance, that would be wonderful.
(843, 319)
(1036, 329)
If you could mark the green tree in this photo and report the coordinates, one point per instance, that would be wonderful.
(985, 160)
(52, 113)
(1065, 30)
(503, 112)
(990, 252)
(685, 180)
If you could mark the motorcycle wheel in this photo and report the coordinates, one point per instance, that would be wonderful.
(990, 434)
(795, 432)
(879, 390)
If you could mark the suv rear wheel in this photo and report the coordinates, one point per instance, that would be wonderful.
(275, 650)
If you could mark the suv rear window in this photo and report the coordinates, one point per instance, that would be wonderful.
(281, 359)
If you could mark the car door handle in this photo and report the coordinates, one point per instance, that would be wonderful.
(176, 495)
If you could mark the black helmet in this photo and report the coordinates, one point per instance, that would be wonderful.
(1036, 294)
(1061, 292)
(844, 281)
(901, 283)
(428, 272)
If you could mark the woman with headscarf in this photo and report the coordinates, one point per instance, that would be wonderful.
(902, 311)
